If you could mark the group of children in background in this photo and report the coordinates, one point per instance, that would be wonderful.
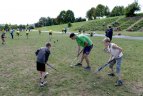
(3, 35)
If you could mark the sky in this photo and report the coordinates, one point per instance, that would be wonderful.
(29, 11)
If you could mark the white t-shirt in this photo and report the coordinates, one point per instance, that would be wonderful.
(114, 52)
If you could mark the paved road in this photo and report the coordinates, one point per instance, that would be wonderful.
(102, 35)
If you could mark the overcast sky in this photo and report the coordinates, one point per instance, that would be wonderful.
(29, 11)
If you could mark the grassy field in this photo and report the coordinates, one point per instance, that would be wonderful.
(18, 75)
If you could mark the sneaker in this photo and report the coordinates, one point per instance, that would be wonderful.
(111, 74)
(119, 83)
(88, 68)
(43, 83)
(46, 75)
(78, 65)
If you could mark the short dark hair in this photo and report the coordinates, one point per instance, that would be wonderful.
(48, 44)
(72, 35)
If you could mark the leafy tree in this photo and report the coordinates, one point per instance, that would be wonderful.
(80, 19)
(106, 11)
(61, 17)
(100, 10)
(131, 9)
(69, 24)
(69, 17)
(117, 11)
(43, 21)
(14, 26)
(6, 27)
(91, 14)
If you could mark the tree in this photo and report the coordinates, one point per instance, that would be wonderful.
(14, 26)
(49, 21)
(80, 19)
(55, 21)
(91, 14)
(117, 11)
(43, 21)
(69, 24)
(1, 27)
(131, 9)
(61, 17)
(106, 11)
(69, 17)
(100, 10)
(6, 27)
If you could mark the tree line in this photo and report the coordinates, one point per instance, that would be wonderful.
(93, 13)
(62, 18)
(7, 27)
(102, 10)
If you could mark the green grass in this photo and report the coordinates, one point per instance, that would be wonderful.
(127, 21)
(74, 27)
(98, 24)
(18, 75)
(138, 26)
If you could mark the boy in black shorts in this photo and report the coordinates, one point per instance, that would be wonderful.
(3, 38)
(42, 58)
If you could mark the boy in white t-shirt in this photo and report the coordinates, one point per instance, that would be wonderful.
(116, 53)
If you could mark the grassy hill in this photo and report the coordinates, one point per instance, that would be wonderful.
(101, 24)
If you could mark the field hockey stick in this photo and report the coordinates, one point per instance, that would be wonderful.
(103, 66)
(76, 58)
(51, 66)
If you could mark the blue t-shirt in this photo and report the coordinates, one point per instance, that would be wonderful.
(42, 55)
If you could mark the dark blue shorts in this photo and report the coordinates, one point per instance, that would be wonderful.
(87, 49)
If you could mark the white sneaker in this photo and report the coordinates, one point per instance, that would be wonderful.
(46, 75)
(43, 83)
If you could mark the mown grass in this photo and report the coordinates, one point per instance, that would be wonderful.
(125, 22)
(18, 75)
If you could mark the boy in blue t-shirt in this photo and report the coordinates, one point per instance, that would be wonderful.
(42, 58)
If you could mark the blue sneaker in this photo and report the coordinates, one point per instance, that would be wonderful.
(88, 68)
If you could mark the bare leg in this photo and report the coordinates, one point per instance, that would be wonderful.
(42, 75)
(86, 59)
(82, 58)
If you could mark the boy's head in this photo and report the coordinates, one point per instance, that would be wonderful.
(106, 41)
(109, 27)
(72, 36)
(48, 45)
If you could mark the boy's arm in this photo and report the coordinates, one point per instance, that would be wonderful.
(47, 56)
(119, 48)
(36, 53)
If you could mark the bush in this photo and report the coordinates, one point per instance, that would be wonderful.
(69, 24)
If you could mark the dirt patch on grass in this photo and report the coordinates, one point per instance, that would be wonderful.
(137, 87)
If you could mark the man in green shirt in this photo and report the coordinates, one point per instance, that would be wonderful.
(85, 42)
